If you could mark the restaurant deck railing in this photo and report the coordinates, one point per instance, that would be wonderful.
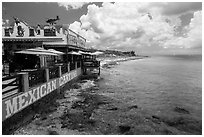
(53, 72)
(91, 63)
(78, 64)
(29, 78)
(64, 68)
(36, 77)
(72, 65)
(11, 85)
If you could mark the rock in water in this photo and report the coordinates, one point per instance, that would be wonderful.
(124, 128)
(181, 110)
(50, 132)
(113, 108)
(132, 107)
(155, 117)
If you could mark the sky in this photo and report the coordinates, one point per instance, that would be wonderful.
(147, 27)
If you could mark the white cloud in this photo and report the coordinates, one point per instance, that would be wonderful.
(72, 5)
(5, 22)
(173, 8)
(133, 25)
(193, 36)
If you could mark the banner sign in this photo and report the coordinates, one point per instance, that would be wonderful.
(14, 104)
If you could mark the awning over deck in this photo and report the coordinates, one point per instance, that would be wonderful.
(86, 53)
(40, 51)
(90, 53)
(55, 51)
(97, 53)
(73, 53)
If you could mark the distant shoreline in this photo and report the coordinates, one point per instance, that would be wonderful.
(106, 62)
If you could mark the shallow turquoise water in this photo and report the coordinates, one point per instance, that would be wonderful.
(157, 84)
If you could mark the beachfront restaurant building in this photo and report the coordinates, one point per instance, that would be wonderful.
(37, 60)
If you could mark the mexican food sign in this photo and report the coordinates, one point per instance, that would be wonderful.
(14, 104)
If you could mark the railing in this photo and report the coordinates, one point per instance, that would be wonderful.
(72, 66)
(31, 32)
(36, 77)
(7, 32)
(78, 64)
(92, 63)
(49, 32)
(11, 85)
(53, 72)
(64, 68)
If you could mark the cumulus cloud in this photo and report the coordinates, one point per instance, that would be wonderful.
(173, 8)
(193, 36)
(72, 5)
(136, 25)
(5, 22)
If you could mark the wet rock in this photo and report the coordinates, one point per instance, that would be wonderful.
(156, 117)
(167, 132)
(52, 108)
(113, 63)
(133, 107)
(78, 104)
(102, 103)
(43, 117)
(175, 121)
(187, 124)
(95, 88)
(36, 116)
(50, 132)
(112, 109)
(124, 128)
(91, 121)
(64, 126)
(75, 86)
(75, 111)
(110, 91)
(181, 110)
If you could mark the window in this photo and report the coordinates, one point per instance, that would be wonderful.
(38, 32)
(49, 32)
(7, 32)
(31, 32)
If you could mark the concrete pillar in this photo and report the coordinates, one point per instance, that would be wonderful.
(99, 69)
(45, 61)
(60, 71)
(76, 65)
(80, 63)
(24, 81)
(68, 66)
(60, 74)
(42, 61)
(47, 74)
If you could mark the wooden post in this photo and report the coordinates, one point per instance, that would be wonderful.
(60, 74)
(72, 58)
(76, 65)
(68, 66)
(99, 70)
(47, 74)
(80, 63)
(24, 81)
(60, 71)
(99, 67)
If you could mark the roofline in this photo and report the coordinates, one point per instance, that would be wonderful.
(32, 39)
(77, 34)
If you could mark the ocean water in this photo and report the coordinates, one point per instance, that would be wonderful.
(157, 84)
